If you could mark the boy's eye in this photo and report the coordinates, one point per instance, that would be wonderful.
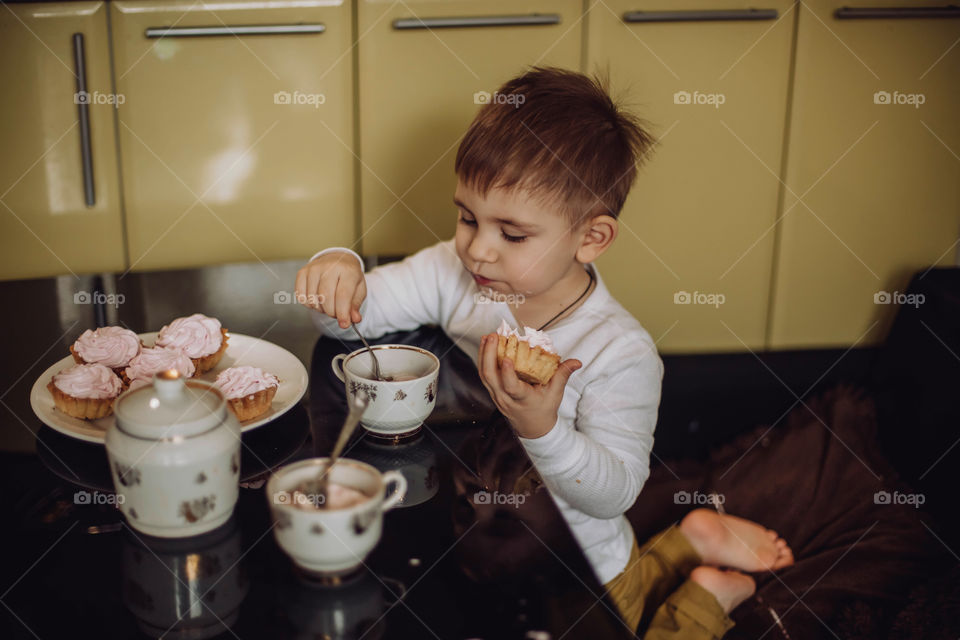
(510, 238)
(472, 223)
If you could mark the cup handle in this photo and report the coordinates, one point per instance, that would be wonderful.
(337, 365)
(399, 491)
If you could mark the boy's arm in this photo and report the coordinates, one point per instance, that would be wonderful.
(401, 296)
(599, 464)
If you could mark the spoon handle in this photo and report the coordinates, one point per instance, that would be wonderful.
(357, 406)
(376, 363)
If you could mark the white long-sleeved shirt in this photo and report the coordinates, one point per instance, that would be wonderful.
(596, 457)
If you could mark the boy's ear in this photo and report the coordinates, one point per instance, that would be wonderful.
(598, 234)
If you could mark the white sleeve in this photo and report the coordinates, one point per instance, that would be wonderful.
(401, 296)
(600, 464)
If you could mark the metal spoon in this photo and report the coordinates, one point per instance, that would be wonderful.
(357, 407)
(376, 364)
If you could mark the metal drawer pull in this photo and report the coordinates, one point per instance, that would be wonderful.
(81, 98)
(700, 16)
(239, 30)
(855, 13)
(479, 21)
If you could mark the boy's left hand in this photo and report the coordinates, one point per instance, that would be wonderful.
(531, 409)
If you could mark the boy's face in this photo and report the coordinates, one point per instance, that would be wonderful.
(512, 243)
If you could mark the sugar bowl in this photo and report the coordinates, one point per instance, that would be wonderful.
(174, 454)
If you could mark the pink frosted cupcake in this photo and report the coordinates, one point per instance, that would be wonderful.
(112, 347)
(153, 360)
(203, 339)
(249, 390)
(85, 391)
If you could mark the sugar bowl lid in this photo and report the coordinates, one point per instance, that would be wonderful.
(171, 406)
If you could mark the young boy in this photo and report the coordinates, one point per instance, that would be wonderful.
(541, 182)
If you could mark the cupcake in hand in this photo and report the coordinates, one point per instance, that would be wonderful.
(533, 356)
(85, 391)
(201, 338)
(248, 390)
(154, 360)
(113, 347)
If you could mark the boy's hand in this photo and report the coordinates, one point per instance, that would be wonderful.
(531, 409)
(333, 284)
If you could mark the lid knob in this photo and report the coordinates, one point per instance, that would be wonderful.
(169, 384)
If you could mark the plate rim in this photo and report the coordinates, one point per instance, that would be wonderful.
(40, 386)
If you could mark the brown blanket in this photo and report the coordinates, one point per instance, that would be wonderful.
(814, 479)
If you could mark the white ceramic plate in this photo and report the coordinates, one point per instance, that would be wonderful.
(241, 350)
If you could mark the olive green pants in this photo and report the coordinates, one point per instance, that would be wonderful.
(654, 593)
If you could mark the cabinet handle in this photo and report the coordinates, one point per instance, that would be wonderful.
(478, 21)
(852, 13)
(81, 97)
(700, 16)
(239, 30)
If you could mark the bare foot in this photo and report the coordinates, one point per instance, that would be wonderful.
(729, 541)
(730, 588)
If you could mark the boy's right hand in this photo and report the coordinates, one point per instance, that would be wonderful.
(333, 284)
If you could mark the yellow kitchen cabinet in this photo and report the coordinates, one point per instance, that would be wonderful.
(693, 258)
(872, 173)
(59, 190)
(422, 68)
(236, 132)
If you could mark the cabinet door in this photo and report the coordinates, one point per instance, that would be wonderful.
(236, 146)
(57, 217)
(693, 258)
(417, 98)
(872, 174)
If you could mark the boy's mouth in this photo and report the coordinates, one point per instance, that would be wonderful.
(480, 279)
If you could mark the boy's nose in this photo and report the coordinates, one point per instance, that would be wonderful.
(481, 251)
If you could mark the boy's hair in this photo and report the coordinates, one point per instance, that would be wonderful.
(557, 135)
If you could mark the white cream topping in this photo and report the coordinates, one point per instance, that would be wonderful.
(239, 382)
(88, 381)
(197, 335)
(156, 359)
(531, 336)
(110, 346)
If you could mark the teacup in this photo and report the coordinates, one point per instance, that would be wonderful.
(325, 541)
(398, 407)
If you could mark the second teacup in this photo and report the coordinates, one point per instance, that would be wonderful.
(397, 407)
